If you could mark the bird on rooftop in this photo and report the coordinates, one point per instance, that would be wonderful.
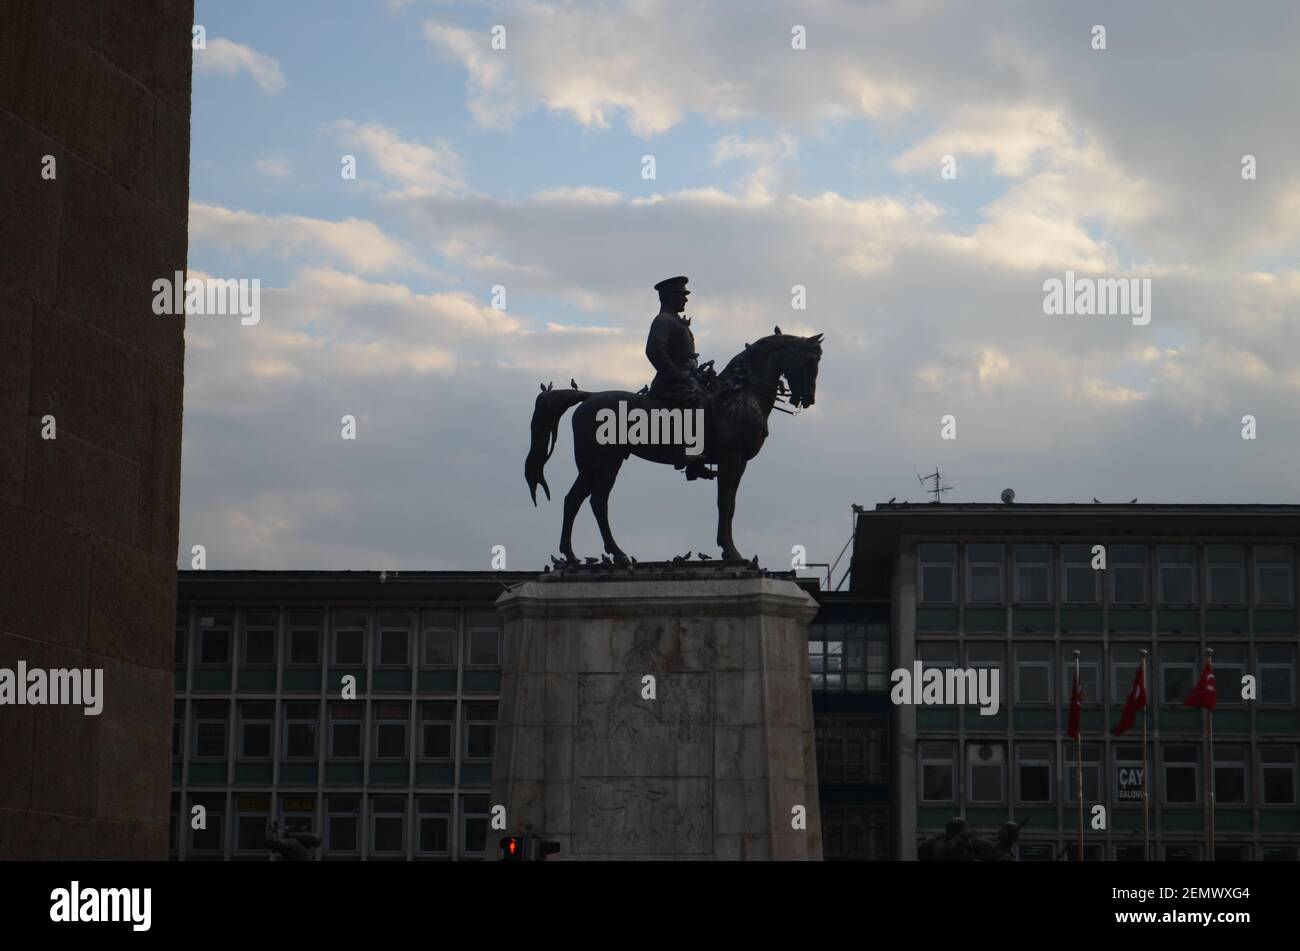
(573, 383)
(1097, 500)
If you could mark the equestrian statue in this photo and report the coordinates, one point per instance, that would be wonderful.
(732, 408)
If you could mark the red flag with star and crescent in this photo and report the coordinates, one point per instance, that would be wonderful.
(1076, 710)
(1205, 694)
(1137, 699)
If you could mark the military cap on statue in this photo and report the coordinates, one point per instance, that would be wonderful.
(672, 284)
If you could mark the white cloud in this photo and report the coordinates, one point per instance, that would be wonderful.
(361, 245)
(227, 58)
(421, 169)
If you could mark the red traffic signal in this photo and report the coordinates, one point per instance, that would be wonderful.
(514, 848)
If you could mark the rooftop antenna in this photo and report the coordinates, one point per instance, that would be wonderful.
(935, 477)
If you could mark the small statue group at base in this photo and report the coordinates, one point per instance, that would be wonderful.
(960, 843)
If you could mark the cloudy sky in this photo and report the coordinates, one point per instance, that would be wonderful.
(774, 166)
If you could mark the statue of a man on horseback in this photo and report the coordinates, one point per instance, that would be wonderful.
(656, 424)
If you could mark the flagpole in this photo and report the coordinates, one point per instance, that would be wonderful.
(1078, 759)
(1210, 714)
(1146, 777)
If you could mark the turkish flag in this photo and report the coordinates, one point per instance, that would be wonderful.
(1205, 694)
(1137, 700)
(1076, 710)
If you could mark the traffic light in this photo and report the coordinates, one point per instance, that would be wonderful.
(514, 848)
(527, 848)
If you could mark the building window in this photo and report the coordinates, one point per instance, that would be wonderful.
(480, 730)
(938, 773)
(251, 813)
(1225, 568)
(1033, 673)
(342, 823)
(1281, 853)
(214, 638)
(1177, 574)
(878, 657)
(300, 722)
(387, 825)
(304, 637)
(841, 658)
(1231, 852)
(1129, 853)
(1183, 852)
(1089, 671)
(984, 574)
(938, 573)
(1274, 575)
(209, 840)
(173, 827)
(255, 722)
(474, 811)
(390, 730)
(1082, 581)
(1128, 571)
(1126, 660)
(1276, 674)
(1229, 667)
(298, 813)
(345, 729)
(1129, 778)
(1092, 780)
(182, 637)
(1277, 769)
(1037, 852)
(1177, 672)
(350, 638)
(434, 816)
(850, 749)
(1033, 574)
(986, 656)
(986, 767)
(394, 638)
(1034, 772)
(210, 729)
(259, 637)
(437, 726)
(1181, 765)
(484, 637)
(178, 729)
(855, 833)
(1230, 775)
(439, 627)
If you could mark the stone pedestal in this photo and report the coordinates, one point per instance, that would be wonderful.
(715, 766)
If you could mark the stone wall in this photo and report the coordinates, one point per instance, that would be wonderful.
(89, 519)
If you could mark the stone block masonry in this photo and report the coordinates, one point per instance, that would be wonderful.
(650, 717)
(98, 92)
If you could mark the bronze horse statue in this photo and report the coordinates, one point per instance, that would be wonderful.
(735, 427)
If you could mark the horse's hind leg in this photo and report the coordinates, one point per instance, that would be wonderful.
(572, 502)
(602, 484)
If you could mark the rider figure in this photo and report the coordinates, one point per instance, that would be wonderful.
(670, 347)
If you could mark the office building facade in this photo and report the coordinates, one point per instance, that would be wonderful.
(1018, 588)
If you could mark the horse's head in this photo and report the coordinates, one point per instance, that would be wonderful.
(799, 367)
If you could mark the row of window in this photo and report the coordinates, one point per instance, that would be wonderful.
(1044, 673)
(1170, 852)
(855, 833)
(849, 658)
(1178, 771)
(390, 730)
(354, 825)
(852, 749)
(1038, 570)
(433, 637)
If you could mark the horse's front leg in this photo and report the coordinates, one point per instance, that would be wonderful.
(730, 468)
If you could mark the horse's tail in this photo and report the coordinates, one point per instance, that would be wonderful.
(551, 405)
